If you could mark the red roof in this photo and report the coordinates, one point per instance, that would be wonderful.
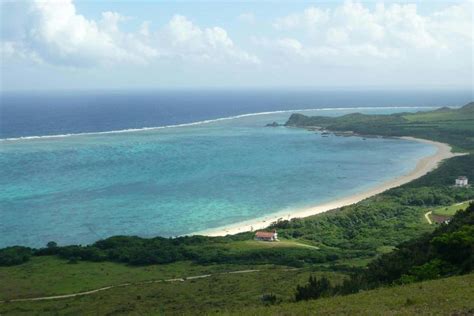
(264, 234)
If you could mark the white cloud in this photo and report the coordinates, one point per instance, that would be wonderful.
(55, 33)
(395, 32)
(189, 41)
(330, 44)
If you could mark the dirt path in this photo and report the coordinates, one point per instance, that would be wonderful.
(55, 297)
(427, 216)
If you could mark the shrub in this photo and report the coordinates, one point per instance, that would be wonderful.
(14, 255)
(314, 289)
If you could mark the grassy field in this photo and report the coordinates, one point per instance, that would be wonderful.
(450, 210)
(450, 296)
(230, 293)
(217, 292)
(48, 275)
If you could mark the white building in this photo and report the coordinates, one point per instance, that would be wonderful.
(461, 181)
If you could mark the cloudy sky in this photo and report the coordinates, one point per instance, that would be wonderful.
(66, 44)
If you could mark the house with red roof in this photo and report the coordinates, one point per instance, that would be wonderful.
(267, 236)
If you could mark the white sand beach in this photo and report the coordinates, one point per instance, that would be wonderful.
(423, 166)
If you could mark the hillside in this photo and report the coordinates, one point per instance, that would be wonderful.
(452, 126)
(447, 251)
(186, 288)
(450, 296)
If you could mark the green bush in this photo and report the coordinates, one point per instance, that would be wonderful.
(314, 289)
(14, 255)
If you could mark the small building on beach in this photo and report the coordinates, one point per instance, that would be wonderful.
(461, 181)
(267, 236)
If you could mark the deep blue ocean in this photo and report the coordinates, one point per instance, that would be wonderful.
(90, 183)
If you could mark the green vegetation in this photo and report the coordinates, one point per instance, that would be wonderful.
(136, 251)
(449, 296)
(11, 256)
(449, 250)
(452, 126)
(450, 210)
(315, 288)
(192, 296)
(49, 275)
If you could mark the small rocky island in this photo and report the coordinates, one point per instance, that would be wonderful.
(274, 124)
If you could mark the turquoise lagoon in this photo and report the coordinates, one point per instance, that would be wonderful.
(179, 180)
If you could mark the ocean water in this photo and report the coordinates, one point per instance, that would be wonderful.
(174, 180)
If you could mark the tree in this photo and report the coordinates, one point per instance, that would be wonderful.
(315, 289)
(51, 244)
(11, 256)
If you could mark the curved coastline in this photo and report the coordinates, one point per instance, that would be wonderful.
(423, 166)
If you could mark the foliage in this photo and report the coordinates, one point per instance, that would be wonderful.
(270, 299)
(453, 126)
(203, 250)
(51, 244)
(315, 288)
(450, 210)
(14, 255)
(448, 296)
(47, 276)
(449, 250)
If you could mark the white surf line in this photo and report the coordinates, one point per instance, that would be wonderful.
(54, 297)
(427, 216)
(141, 129)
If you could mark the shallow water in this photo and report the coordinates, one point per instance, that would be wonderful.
(180, 180)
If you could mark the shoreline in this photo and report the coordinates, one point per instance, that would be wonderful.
(423, 166)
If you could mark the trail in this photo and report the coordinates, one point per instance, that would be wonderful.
(427, 216)
(54, 297)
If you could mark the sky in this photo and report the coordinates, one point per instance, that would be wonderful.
(68, 45)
